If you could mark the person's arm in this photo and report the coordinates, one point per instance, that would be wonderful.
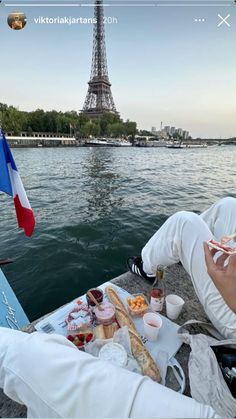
(224, 277)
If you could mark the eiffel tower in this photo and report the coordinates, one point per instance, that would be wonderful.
(99, 98)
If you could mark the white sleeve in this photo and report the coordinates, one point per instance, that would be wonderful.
(54, 379)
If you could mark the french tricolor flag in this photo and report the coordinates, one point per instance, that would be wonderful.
(10, 183)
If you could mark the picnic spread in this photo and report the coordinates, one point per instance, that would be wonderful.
(107, 322)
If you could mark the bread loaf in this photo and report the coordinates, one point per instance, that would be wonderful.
(114, 298)
(139, 351)
(123, 319)
(143, 358)
(122, 315)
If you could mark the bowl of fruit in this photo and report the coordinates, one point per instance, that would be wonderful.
(81, 338)
(137, 305)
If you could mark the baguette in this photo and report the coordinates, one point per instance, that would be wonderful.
(139, 351)
(122, 315)
(114, 298)
(124, 320)
(143, 357)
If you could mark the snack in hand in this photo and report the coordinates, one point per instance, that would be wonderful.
(228, 238)
(229, 250)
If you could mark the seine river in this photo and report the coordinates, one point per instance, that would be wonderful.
(95, 207)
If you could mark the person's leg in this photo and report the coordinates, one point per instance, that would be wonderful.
(181, 238)
(53, 379)
(221, 217)
(156, 401)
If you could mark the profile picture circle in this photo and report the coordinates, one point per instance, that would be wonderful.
(17, 20)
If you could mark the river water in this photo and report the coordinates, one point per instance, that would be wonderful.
(95, 207)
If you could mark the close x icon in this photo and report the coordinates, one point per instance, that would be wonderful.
(224, 20)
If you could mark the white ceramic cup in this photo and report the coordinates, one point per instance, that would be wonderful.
(152, 324)
(174, 305)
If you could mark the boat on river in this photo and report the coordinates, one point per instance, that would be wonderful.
(108, 142)
(118, 142)
(179, 144)
(175, 144)
(203, 145)
(96, 142)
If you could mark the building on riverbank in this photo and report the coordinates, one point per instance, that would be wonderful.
(41, 139)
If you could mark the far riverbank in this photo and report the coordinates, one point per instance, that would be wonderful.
(44, 141)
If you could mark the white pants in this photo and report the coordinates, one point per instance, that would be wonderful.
(54, 379)
(181, 238)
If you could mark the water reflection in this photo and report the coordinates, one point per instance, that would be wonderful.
(102, 182)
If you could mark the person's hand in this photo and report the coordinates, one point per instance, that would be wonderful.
(223, 276)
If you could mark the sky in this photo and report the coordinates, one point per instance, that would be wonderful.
(163, 65)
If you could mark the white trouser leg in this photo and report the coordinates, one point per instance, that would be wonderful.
(181, 238)
(52, 378)
(156, 401)
(221, 217)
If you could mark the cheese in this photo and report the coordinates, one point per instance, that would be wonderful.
(114, 353)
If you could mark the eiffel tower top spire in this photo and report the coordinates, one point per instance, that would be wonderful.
(99, 97)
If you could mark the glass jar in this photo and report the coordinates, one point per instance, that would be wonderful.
(105, 316)
(98, 295)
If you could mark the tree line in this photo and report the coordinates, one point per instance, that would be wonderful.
(15, 121)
